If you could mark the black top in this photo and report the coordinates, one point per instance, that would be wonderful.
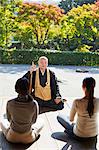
(43, 79)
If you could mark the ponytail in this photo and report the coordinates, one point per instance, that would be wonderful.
(89, 83)
(90, 106)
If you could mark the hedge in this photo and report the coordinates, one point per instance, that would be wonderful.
(55, 57)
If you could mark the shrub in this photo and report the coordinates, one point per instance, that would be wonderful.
(55, 57)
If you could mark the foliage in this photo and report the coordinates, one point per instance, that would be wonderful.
(46, 26)
(55, 57)
(7, 22)
(69, 4)
(95, 9)
(80, 26)
(83, 48)
(39, 20)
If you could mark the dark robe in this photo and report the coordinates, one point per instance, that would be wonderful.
(53, 85)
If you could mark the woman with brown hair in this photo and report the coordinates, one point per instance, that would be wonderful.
(87, 109)
(21, 125)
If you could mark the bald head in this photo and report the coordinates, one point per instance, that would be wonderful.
(43, 63)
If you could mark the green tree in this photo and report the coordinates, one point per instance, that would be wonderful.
(7, 22)
(80, 26)
(95, 9)
(40, 20)
(69, 4)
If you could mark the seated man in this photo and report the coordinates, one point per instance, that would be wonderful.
(44, 85)
(22, 112)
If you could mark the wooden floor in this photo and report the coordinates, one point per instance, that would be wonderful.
(52, 136)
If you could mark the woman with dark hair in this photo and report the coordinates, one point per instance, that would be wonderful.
(87, 109)
(22, 112)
